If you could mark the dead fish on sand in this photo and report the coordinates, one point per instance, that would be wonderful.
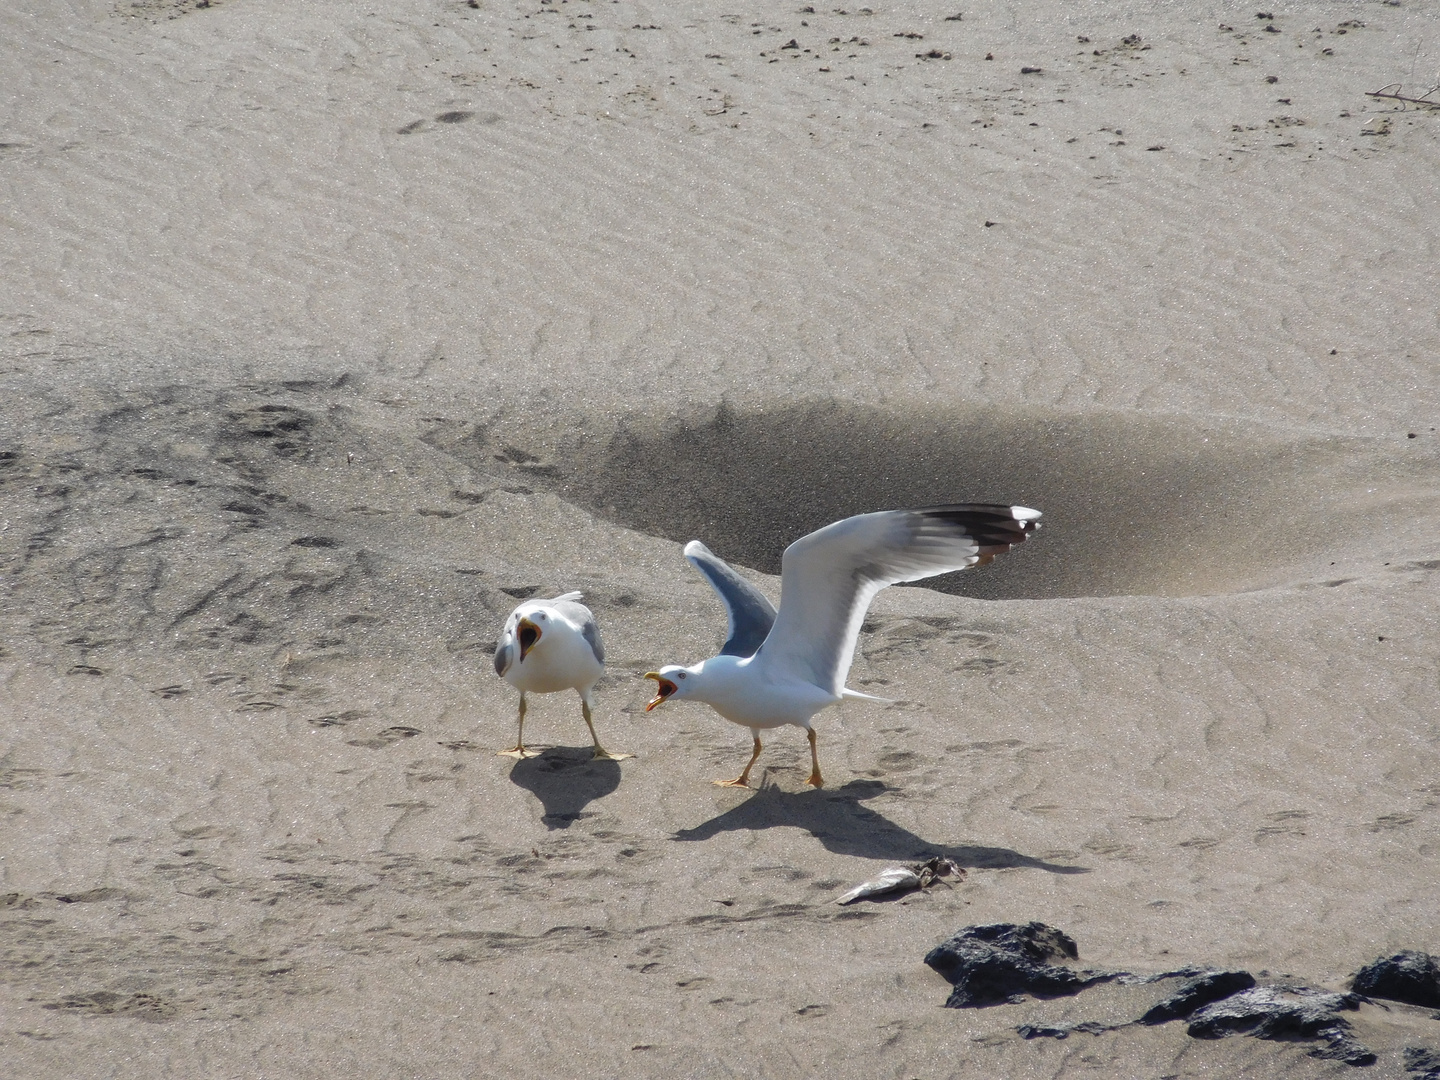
(901, 878)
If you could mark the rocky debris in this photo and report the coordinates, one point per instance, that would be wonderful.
(1063, 1031)
(1001, 962)
(1411, 977)
(1422, 1063)
(1201, 990)
(1285, 1013)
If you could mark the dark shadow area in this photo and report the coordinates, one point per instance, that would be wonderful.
(1132, 503)
(837, 819)
(566, 779)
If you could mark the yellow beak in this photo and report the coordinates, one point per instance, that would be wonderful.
(528, 634)
(665, 688)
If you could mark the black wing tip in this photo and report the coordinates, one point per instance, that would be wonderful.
(999, 510)
(996, 528)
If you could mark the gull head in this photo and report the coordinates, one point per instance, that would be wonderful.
(670, 682)
(522, 633)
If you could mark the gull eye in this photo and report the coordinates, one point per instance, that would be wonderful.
(680, 675)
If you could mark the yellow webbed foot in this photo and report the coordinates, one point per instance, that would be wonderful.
(743, 780)
(815, 779)
(519, 752)
(601, 754)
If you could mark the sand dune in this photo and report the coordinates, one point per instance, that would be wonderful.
(329, 334)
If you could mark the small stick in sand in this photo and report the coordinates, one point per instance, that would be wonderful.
(1384, 92)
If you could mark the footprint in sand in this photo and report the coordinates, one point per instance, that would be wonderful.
(388, 737)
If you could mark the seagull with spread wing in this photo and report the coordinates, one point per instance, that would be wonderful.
(783, 667)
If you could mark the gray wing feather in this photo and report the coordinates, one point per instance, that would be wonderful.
(591, 633)
(751, 614)
(504, 654)
(569, 606)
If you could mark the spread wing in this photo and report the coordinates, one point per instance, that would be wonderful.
(828, 578)
(751, 614)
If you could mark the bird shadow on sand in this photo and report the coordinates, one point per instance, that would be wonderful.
(837, 819)
(566, 779)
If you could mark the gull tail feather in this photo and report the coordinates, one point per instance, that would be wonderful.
(854, 695)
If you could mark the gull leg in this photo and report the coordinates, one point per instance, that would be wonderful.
(601, 754)
(815, 778)
(518, 750)
(743, 780)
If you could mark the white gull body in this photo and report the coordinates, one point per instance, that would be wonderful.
(783, 667)
(547, 646)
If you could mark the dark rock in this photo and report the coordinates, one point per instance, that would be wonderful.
(1063, 1031)
(1340, 1045)
(999, 963)
(1194, 993)
(990, 965)
(1411, 977)
(1422, 1063)
(1285, 1013)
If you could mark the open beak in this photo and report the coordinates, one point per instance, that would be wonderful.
(664, 688)
(529, 634)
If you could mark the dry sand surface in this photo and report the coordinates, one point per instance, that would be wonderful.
(330, 329)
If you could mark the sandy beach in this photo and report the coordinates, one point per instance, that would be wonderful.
(331, 331)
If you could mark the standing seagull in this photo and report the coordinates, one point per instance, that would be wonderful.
(783, 668)
(550, 645)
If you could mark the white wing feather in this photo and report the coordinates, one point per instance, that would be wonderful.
(828, 578)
